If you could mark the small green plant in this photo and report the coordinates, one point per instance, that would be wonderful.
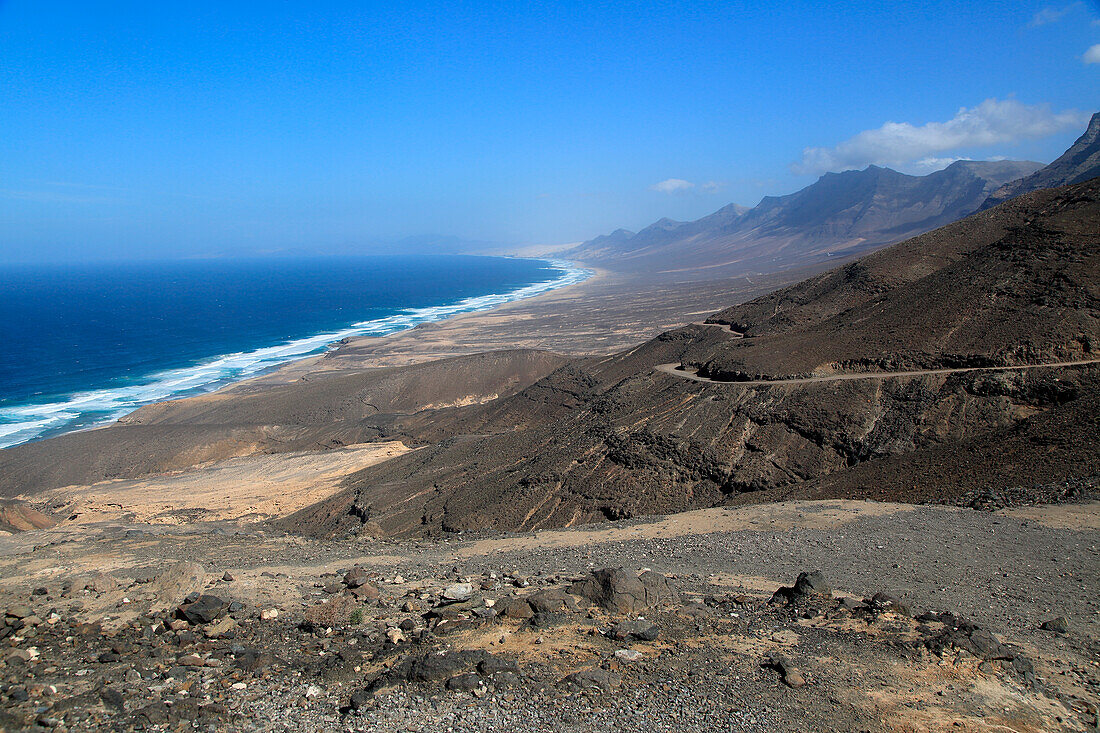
(356, 616)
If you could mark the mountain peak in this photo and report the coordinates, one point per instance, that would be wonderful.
(1094, 126)
(1080, 163)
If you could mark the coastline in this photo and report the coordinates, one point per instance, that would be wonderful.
(349, 395)
(71, 413)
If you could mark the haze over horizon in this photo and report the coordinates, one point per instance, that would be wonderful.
(134, 131)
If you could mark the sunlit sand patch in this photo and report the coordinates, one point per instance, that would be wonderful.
(248, 489)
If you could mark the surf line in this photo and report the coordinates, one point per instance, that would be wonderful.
(98, 407)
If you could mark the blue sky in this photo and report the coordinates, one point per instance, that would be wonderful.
(139, 129)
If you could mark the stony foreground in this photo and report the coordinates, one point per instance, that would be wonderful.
(529, 633)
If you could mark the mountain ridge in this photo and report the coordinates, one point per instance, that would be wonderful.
(841, 214)
(1079, 163)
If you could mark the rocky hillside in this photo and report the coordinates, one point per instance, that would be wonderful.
(328, 410)
(840, 215)
(1080, 163)
(608, 438)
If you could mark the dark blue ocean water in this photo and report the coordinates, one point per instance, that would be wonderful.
(84, 345)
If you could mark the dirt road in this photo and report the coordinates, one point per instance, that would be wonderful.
(674, 370)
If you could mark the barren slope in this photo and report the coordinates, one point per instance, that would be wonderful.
(613, 437)
(321, 412)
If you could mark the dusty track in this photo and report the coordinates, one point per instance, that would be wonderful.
(674, 370)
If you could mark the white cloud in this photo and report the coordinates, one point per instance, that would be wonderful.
(1049, 15)
(672, 185)
(1092, 56)
(900, 143)
(713, 186)
(931, 164)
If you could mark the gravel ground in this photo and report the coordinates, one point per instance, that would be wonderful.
(1006, 571)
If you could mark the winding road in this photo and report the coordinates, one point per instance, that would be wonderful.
(674, 370)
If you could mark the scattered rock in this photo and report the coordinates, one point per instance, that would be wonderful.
(640, 630)
(596, 679)
(458, 592)
(356, 577)
(253, 660)
(787, 671)
(628, 655)
(1058, 625)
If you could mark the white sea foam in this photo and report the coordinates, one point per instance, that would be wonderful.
(20, 423)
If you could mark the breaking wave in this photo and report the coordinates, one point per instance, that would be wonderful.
(91, 408)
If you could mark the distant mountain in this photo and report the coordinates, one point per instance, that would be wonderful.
(839, 215)
(1080, 163)
(615, 437)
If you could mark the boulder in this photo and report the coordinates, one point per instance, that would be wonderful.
(789, 673)
(365, 592)
(465, 682)
(177, 581)
(517, 608)
(205, 609)
(19, 610)
(619, 591)
(807, 585)
(886, 603)
(493, 665)
(356, 577)
(551, 600)
(220, 627)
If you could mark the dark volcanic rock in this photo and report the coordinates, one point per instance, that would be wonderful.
(514, 608)
(551, 600)
(790, 674)
(493, 665)
(884, 602)
(356, 577)
(436, 667)
(465, 682)
(1058, 625)
(204, 609)
(807, 585)
(619, 591)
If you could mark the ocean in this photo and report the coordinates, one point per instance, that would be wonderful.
(83, 345)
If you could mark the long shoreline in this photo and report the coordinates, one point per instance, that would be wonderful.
(51, 419)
